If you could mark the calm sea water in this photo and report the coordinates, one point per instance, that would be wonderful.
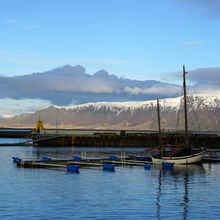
(12, 140)
(191, 192)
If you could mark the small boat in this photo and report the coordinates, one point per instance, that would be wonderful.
(178, 154)
(193, 157)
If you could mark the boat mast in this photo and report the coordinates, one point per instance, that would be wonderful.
(185, 106)
(158, 116)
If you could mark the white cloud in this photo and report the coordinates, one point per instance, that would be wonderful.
(192, 43)
(205, 89)
(11, 21)
(12, 107)
(21, 24)
(90, 85)
(169, 90)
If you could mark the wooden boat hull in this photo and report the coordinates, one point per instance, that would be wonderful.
(194, 158)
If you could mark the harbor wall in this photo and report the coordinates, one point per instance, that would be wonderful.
(124, 139)
(110, 138)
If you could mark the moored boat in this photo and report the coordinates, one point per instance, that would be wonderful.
(179, 154)
(192, 158)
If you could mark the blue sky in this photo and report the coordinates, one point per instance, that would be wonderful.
(136, 39)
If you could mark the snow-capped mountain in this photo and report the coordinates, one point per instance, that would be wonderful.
(204, 114)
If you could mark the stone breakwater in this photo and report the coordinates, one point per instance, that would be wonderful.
(125, 139)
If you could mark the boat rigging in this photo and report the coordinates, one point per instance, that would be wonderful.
(183, 153)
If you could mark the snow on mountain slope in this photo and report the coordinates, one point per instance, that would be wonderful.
(196, 101)
(126, 115)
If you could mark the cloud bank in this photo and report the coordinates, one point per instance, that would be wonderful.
(72, 85)
(206, 80)
(67, 85)
(206, 76)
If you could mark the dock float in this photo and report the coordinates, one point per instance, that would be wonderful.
(50, 162)
(48, 165)
(77, 162)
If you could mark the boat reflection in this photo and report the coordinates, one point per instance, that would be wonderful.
(180, 176)
(185, 198)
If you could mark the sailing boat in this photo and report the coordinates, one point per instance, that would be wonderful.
(183, 153)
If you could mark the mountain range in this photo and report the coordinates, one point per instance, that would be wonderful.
(203, 114)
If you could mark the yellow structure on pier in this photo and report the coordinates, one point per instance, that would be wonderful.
(39, 126)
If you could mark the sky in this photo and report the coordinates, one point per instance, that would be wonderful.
(133, 39)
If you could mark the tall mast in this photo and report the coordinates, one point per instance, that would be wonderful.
(158, 115)
(185, 106)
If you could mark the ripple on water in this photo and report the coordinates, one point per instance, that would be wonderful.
(128, 193)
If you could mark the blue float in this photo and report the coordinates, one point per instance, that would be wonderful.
(77, 158)
(147, 166)
(113, 157)
(46, 158)
(15, 159)
(109, 167)
(72, 168)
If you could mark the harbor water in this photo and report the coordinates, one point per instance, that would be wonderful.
(186, 192)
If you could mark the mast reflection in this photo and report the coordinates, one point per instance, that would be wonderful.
(180, 171)
(185, 198)
(158, 195)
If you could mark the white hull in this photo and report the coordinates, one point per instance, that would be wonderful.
(194, 158)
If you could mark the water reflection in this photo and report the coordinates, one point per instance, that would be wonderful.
(159, 194)
(183, 173)
(129, 193)
(174, 187)
(185, 198)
